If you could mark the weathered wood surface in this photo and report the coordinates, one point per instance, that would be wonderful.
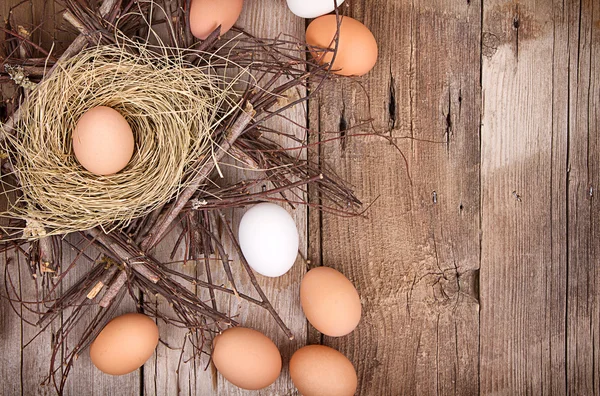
(539, 171)
(415, 258)
(476, 262)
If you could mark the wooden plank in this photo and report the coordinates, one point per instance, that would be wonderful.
(415, 259)
(270, 19)
(583, 237)
(263, 19)
(44, 29)
(10, 338)
(173, 370)
(11, 335)
(28, 350)
(523, 269)
(36, 346)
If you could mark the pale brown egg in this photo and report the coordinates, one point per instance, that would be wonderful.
(246, 358)
(330, 301)
(103, 141)
(207, 15)
(317, 370)
(124, 344)
(357, 48)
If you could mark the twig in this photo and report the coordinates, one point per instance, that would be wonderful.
(72, 19)
(102, 282)
(114, 289)
(148, 223)
(46, 246)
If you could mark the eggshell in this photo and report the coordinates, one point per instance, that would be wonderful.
(312, 8)
(357, 48)
(269, 239)
(207, 15)
(124, 344)
(246, 358)
(317, 370)
(103, 141)
(330, 301)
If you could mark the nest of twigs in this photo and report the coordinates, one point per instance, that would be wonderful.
(172, 107)
(192, 106)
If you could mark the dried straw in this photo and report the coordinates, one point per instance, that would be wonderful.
(173, 108)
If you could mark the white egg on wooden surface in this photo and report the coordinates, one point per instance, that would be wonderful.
(312, 8)
(269, 239)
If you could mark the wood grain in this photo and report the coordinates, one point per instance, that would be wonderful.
(583, 180)
(539, 320)
(523, 181)
(10, 342)
(415, 257)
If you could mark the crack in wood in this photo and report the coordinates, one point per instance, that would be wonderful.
(516, 25)
(448, 130)
(392, 102)
(460, 99)
(343, 128)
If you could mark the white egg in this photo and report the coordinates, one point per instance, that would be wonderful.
(312, 8)
(269, 239)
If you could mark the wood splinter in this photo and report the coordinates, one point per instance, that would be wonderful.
(95, 290)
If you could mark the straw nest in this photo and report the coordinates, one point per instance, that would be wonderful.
(172, 107)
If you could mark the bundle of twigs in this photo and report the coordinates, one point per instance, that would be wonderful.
(277, 75)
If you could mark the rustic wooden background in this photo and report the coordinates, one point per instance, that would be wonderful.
(477, 263)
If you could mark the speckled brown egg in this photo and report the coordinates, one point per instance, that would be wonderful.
(330, 301)
(124, 344)
(317, 370)
(103, 142)
(246, 358)
(357, 48)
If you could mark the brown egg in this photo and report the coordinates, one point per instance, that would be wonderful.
(207, 15)
(317, 370)
(357, 49)
(102, 141)
(330, 301)
(246, 358)
(124, 344)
